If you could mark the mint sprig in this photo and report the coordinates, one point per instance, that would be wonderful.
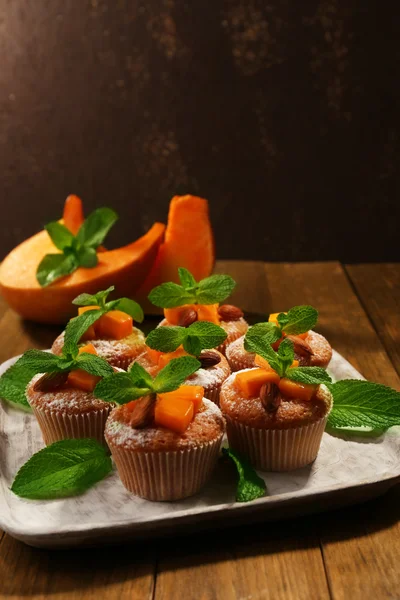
(137, 382)
(298, 319)
(361, 404)
(250, 486)
(66, 468)
(199, 336)
(210, 290)
(258, 340)
(76, 251)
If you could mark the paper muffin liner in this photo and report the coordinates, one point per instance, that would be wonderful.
(56, 425)
(165, 476)
(212, 392)
(276, 449)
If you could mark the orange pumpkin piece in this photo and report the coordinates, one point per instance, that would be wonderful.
(88, 349)
(208, 312)
(173, 314)
(166, 357)
(302, 335)
(273, 318)
(300, 391)
(115, 325)
(189, 243)
(81, 379)
(73, 216)
(174, 413)
(250, 382)
(154, 355)
(125, 267)
(194, 393)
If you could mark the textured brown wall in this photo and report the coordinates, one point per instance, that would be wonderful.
(284, 114)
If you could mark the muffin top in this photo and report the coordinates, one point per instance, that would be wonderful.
(207, 426)
(106, 348)
(290, 414)
(67, 400)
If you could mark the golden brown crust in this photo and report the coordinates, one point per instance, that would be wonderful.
(290, 413)
(207, 426)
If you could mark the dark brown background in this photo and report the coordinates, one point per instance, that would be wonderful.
(284, 114)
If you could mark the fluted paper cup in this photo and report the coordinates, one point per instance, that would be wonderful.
(276, 449)
(57, 425)
(166, 476)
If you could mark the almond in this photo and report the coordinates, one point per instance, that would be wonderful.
(143, 411)
(300, 346)
(50, 382)
(270, 397)
(187, 317)
(208, 359)
(228, 312)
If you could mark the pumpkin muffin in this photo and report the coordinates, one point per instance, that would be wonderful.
(273, 428)
(160, 462)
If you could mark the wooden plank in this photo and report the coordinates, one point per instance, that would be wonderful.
(378, 287)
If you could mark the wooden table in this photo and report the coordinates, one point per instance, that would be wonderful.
(348, 553)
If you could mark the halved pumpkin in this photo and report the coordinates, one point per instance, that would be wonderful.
(125, 267)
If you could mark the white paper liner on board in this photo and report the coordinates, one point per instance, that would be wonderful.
(56, 425)
(165, 476)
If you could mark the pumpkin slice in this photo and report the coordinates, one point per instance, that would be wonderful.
(166, 357)
(208, 312)
(125, 267)
(73, 216)
(300, 391)
(115, 324)
(250, 382)
(189, 243)
(81, 379)
(174, 413)
(194, 393)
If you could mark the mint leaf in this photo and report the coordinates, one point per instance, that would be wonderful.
(59, 234)
(265, 333)
(186, 278)
(286, 354)
(203, 335)
(54, 266)
(362, 404)
(95, 365)
(102, 296)
(308, 375)
(85, 300)
(87, 257)
(140, 377)
(128, 306)
(256, 344)
(95, 228)
(13, 384)
(170, 295)
(166, 339)
(215, 288)
(298, 319)
(119, 388)
(175, 373)
(66, 468)
(76, 328)
(250, 485)
(39, 361)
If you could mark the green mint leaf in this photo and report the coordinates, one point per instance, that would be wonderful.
(362, 404)
(257, 344)
(308, 375)
(266, 333)
(283, 320)
(54, 266)
(119, 388)
(102, 296)
(175, 373)
(203, 335)
(170, 295)
(186, 278)
(66, 468)
(128, 306)
(215, 288)
(76, 328)
(85, 300)
(300, 319)
(250, 485)
(285, 354)
(95, 228)
(39, 361)
(140, 377)
(87, 257)
(13, 384)
(59, 234)
(166, 339)
(95, 365)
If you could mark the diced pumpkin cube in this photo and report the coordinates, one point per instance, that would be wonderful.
(153, 355)
(250, 382)
(273, 318)
(174, 413)
(173, 314)
(83, 309)
(303, 335)
(295, 363)
(82, 380)
(90, 334)
(88, 349)
(194, 393)
(293, 389)
(115, 325)
(208, 312)
(166, 357)
(261, 362)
